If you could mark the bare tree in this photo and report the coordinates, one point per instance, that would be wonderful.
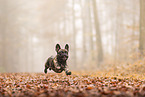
(84, 29)
(74, 33)
(90, 30)
(98, 34)
(142, 27)
(3, 25)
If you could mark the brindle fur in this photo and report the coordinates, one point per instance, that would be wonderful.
(58, 63)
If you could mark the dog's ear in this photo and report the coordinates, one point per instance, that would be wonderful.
(67, 47)
(57, 47)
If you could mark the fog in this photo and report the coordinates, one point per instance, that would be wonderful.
(100, 33)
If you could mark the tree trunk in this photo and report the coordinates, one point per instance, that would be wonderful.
(74, 34)
(90, 31)
(142, 27)
(98, 35)
(84, 23)
(3, 26)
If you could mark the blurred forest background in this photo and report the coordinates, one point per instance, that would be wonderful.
(100, 33)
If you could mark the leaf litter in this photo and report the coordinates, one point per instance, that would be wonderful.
(60, 85)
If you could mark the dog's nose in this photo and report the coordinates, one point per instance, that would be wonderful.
(66, 56)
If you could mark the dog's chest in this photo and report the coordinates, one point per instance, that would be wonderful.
(58, 67)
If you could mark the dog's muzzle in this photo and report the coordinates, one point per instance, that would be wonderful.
(63, 57)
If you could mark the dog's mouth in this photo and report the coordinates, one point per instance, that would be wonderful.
(64, 58)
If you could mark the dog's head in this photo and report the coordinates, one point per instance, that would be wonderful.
(62, 54)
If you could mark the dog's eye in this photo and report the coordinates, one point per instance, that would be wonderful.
(63, 52)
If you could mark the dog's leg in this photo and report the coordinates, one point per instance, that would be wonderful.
(46, 67)
(67, 72)
(48, 64)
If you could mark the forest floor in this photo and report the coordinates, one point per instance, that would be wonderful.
(96, 84)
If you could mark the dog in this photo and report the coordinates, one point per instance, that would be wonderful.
(58, 63)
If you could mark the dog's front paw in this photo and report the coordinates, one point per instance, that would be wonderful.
(68, 72)
(45, 70)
